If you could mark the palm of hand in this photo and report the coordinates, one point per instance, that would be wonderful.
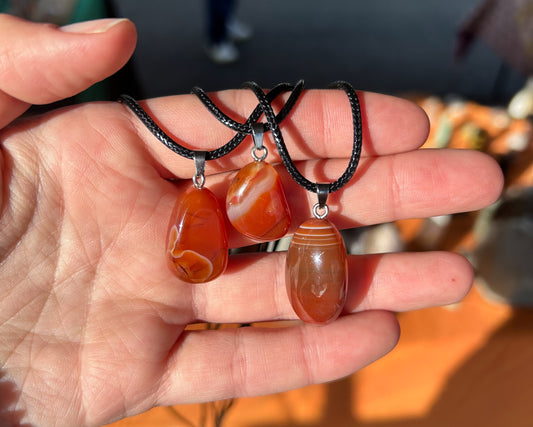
(99, 320)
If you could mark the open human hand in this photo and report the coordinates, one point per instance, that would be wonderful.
(93, 322)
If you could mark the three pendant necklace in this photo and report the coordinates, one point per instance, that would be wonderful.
(316, 269)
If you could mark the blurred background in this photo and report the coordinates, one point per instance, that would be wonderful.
(468, 64)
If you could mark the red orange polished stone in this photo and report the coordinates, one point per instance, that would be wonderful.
(317, 272)
(197, 247)
(256, 204)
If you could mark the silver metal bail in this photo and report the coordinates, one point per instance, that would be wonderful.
(199, 164)
(258, 130)
(321, 209)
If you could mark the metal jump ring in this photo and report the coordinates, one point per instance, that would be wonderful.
(320, 215)
(199, 164)
(259, 158)
(198, 181)
(258, 130)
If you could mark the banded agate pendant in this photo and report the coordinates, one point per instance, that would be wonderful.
(317, 272)
(197, 248)
(256, 204)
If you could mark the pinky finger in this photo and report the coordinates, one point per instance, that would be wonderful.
(213, 365)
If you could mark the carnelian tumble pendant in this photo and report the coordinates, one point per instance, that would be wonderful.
(317, 272)
(256, 204)
(197, 248)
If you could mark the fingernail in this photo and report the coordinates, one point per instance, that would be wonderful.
(92, 27)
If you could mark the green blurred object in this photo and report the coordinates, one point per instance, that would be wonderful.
(86, 10)
(63, 13)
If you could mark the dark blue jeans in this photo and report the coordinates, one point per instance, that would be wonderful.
(218, 13)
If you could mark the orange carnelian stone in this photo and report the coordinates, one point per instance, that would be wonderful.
(197, 248)
(317, 272)
(256, 204)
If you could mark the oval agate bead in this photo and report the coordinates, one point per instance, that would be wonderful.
(256, 204)
(197, 248)
(316, 272)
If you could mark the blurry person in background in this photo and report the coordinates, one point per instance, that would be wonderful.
(54, 11)
(223, 30)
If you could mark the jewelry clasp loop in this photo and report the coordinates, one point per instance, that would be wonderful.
(322, 191)
(199, 164)
(258, 130)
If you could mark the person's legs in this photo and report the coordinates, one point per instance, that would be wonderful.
(223, 30)
(218, 13)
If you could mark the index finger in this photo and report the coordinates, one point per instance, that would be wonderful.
(320, 126)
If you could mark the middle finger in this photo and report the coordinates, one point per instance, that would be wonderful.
(415, 184)
(253, 288)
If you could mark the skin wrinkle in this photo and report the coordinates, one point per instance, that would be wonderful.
(126, 382)
(61, 277)
(17, 64)
(84, 334)
(179, 134)
(49, 77)
(30, 369)
(170, 375)
(90, 371)
(3, 181)
(10, 108)
(398, 278)
(36, 311)
(395, 189)
(10, 63)
(430, 173)
(53, 301)
(280, 293)
(74, 79)
(82, 361)
(104, 245)
(199, 302)
(232, 103)
(148, 152)
(321, 127)
(373, 290)
(13, 320)
(58, 230)
(33, 352)
(22, 230)
(239, 365)
(306, 355)
(139, 130)
(123, 178)
(39, 196)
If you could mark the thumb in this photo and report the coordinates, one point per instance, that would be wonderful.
(40, 63)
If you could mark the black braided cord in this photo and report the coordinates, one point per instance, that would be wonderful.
(242, 129)
(247, 127)
(282, 148)
(272, 124)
